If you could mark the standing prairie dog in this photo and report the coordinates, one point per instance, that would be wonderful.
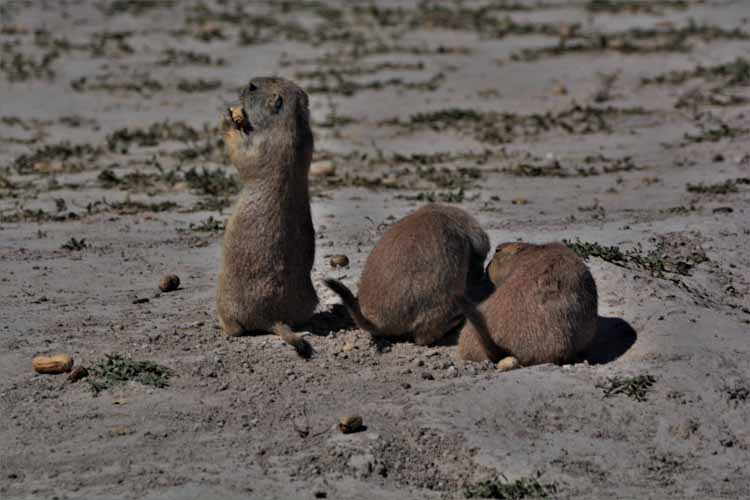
(415, 273)
(544, 309)
(269, 241)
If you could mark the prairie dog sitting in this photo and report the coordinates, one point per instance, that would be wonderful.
(412, 279)
(544, 309)
(269, 241)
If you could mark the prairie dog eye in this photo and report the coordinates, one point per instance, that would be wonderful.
(277, 104)
(251, 87)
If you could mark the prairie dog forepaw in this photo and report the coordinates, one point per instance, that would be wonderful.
(508, 363)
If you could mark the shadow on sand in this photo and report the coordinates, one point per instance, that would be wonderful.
(322, 323)
(614, 336)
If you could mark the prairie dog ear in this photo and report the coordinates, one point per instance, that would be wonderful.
(247, 90)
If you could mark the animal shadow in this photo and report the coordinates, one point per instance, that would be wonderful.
(335, 319)
(614, 336)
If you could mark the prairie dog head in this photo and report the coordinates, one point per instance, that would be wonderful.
(270, 130)
(503, 262)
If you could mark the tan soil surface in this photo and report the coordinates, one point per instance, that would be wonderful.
(610, 122)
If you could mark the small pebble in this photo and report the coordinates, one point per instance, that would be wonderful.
(550, 161)
(339, 261)
(567, 30)
(350, 424)
(169, 283)
(559, 89)
(390, 181)
(78, 373)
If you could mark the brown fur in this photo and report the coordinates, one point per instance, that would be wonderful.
(269, 241)
(501, 264)
(414, 274)
(544, 309)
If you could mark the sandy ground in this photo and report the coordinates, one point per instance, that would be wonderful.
(545, 119)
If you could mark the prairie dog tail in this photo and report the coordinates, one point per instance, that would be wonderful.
(295, 340)
(352, 304)
(476, 319)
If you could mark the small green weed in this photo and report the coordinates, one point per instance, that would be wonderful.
(198, 85)
(633, 6)
(456, 196)
(63, 152)
(121, 139)
(75, 245)
(585, 250)
(735, 72)
(725, 187)
(633, 387)
(117, 369)
(209, 225)
(715, 133)
(657, 261)
(131, 207)
(496, 127)
(503, 489)
(212, 182)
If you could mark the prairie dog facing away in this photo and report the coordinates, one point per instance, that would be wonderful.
(413, 277)
(269, 241)
(544, 309)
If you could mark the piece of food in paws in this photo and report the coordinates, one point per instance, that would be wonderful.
(239, 118)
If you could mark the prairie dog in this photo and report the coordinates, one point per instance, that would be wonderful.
(413, 277)
(269, 241)
(544, 309)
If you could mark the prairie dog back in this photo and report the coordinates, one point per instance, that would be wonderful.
(413, 275)
(544, 309)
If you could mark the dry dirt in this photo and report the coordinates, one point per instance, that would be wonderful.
(619, 123)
